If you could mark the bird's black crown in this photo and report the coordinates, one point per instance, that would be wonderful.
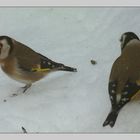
(126, 38)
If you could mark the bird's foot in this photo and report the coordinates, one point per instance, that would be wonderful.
(26, 87)
(21, 90)
(14, 94)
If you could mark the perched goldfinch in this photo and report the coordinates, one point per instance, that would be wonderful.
(124, 81)
(23, 64)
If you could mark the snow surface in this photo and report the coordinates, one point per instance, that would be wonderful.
(64, 101)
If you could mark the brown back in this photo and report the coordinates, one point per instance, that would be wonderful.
(127, 66)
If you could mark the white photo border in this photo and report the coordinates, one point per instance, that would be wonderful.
(69, 3)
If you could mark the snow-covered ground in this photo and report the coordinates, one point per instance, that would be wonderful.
(64, 101)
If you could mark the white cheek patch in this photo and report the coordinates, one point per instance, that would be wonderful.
(5, 49)
(122, 41)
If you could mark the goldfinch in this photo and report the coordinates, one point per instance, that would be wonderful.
(124, 81)
(23, 64)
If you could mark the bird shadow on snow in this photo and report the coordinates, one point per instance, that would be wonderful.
(53, 83)
(50, 84)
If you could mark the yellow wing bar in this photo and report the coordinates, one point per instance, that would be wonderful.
(40, 70)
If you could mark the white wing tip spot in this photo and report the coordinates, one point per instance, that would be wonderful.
(113, 91)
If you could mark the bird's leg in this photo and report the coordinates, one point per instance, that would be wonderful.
(24, 90)
(26, 87)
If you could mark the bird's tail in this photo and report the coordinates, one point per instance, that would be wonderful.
(66, 68)
(111, 118)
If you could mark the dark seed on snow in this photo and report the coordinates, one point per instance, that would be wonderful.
(4, 100)
(93, 62)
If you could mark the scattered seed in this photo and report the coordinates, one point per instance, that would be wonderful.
(93, 62)
(5, 100)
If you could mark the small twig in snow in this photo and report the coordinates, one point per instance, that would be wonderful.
(24, 130)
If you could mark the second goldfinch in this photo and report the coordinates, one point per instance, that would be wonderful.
(24, 64)
(124, 81)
